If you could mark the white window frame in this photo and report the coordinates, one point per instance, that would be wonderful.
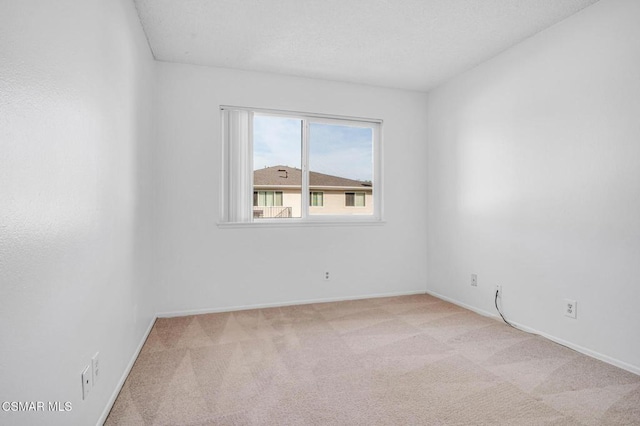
(237, 168)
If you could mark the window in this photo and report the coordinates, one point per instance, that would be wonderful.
(293, 163)
(316, 199)
(354, 199)
(267, 198)
(268, 204)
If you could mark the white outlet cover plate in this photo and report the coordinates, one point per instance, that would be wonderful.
(570, 308)
(87, 381)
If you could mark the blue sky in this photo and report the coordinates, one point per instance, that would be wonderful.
(337, 150)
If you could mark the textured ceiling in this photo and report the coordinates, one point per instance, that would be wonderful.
(410, 44)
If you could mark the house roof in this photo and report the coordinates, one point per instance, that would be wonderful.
(290, 176)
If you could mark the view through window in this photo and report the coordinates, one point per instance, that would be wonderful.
(340, 165)
(300, 167)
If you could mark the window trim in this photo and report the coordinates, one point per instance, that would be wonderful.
(235, 182)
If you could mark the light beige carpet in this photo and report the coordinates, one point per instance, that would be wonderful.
(412, 360)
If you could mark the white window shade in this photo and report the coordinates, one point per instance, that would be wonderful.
(237, 165)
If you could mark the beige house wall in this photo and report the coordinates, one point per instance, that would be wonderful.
(334, 204)
(291, 198)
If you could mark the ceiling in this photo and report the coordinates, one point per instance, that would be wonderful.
(408, 44)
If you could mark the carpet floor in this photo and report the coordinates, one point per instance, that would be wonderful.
(409, 360)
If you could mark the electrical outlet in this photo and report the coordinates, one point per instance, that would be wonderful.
(570, 308)
(499, 290)
(87, 381)
(327, 276)
(474, 280)
(95, 367)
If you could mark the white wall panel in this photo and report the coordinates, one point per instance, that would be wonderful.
(534, 182)
(76, 84)
(200, 266)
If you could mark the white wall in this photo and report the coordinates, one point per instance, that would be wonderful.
(75, 137)
(202, 267)
(534, 182)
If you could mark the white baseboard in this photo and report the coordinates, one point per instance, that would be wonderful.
(127, 370)
(593, 354)
(464, 305)
(586, 351)
(281, 304)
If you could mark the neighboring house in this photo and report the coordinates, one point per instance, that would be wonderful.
(276, 193)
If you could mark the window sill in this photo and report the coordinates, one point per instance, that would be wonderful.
(300, 223)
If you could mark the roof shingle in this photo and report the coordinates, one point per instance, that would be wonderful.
(290, 176)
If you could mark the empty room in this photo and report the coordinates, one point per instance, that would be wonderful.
(301, 212)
